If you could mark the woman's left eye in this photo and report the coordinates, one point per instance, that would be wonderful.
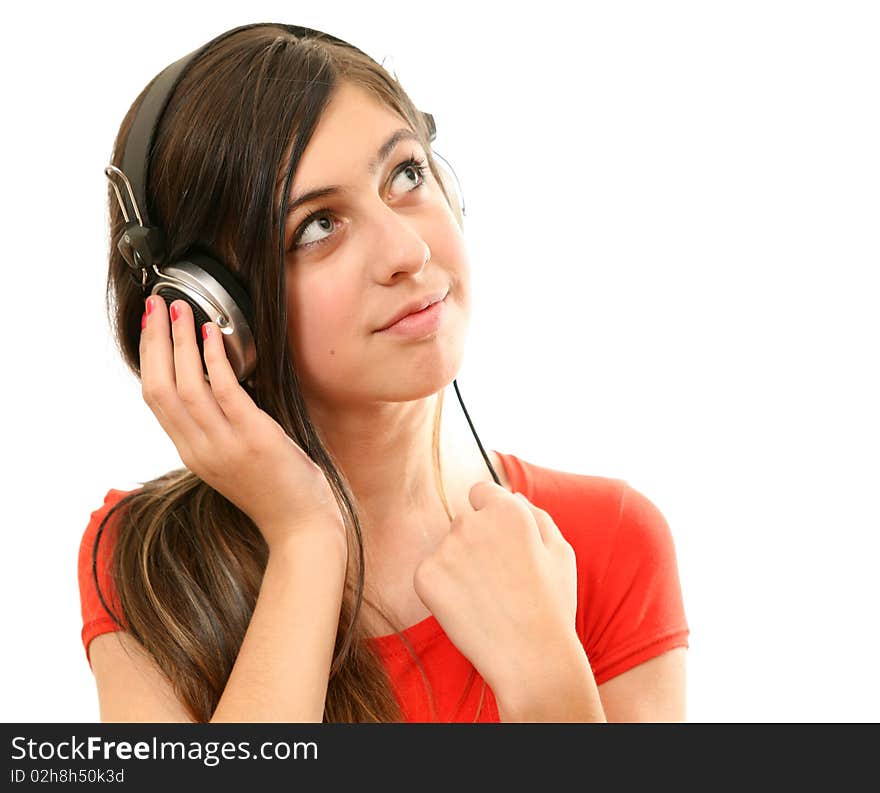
(413, 165)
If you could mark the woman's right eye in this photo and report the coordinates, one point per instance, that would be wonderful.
(319, 216)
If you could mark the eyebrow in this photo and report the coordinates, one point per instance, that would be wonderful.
(381, 155)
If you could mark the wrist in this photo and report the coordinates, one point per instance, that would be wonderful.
(556, 687)
(314, 541)
(541, 657)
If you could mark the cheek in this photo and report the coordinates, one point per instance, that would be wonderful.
(449, 248)
(322, 318)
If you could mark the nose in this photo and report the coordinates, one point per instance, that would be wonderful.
(400, 247)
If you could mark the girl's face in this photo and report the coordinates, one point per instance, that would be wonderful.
(357, 257)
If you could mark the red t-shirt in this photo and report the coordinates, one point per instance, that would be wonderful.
(630, 606)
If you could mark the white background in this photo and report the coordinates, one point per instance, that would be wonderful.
(672, 219)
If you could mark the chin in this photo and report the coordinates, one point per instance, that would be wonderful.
(409, 380)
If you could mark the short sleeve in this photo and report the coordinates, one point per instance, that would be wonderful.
(637, 611)
(95, 616)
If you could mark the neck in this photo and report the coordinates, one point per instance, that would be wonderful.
(385, 451)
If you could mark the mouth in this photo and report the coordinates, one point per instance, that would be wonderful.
(418, 324)
(414, 308)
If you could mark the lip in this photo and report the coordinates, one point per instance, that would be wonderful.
(414, 307)
(420, 324)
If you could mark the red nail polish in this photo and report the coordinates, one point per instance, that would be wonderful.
(149, 305)
(205, 331)
(144, 320)
(175, 312)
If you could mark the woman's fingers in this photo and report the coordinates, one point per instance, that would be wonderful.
(192, 388)
(173, 381)
(234, 401)
(550, 532)
(482, 493)
(158, 379)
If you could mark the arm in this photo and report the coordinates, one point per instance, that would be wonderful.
(653, 691)
(283, 665)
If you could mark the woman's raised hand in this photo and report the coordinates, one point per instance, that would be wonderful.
(221, 434)
(502, 582)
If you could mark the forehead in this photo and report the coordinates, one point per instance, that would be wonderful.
(350, 129)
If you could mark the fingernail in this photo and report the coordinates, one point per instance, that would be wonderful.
(175, 311)
(149, 305)
(143, 320)
(205, 331)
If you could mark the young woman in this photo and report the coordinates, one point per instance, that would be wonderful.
(332, 550)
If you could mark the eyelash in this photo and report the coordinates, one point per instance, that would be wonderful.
(417, 163)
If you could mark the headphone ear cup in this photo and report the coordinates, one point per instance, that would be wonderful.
(215, 294)
(228, 280)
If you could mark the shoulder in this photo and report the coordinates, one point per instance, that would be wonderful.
(102, 515)
(96, 549)
(112, 497)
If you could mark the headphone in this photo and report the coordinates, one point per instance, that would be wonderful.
(213, 291)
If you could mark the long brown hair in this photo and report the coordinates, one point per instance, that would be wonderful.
(187, 564)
